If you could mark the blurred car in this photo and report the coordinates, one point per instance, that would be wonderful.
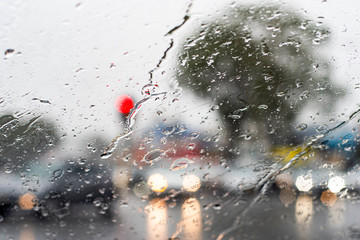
(331, 165)
(173, 158)
(243, 179)
(51, 189)
(11, 189)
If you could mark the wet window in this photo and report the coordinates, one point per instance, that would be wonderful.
(179, 120)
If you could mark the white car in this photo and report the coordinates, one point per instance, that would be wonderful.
(181, 175)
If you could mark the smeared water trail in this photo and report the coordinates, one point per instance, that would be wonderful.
(171, 44)
(130, 121)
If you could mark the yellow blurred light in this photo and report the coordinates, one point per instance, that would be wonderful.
(304, 211)
(27, 233)
(304, 183)
(157, 182)
(335, 184)
(191, 219)
(27, 201)
(286, 153)
(191, 183)
(157, 219)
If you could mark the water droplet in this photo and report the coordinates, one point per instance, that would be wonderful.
(57, 174)
(320, 21)
(97, 202)
(265, 50)
(191, 146)
(322, 128)
(106, 155)
(149, 89)
(180, 164)
(321, 86)
(304, 95)
(82, 161)
(263, 106)
(344, 141)
(213, 108)
(22, 175)
(235, 117)
(217, 206)
(163, 140)
(302, 126)
(316, 41)
(7, 169)
(304, 25)
(247, 137)
(153, 156)
(193, 135)
(242, 105)
(168, 130)
(102, 191)
(348, 149)
(9, 51)
(181, 129)
(127, 157)
(215, 138)
(60, 213)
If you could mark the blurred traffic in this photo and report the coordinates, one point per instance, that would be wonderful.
(173, 161)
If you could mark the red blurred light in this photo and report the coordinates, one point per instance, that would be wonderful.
(124, 104)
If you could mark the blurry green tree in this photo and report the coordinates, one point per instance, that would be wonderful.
(23, 141)
(261, 65)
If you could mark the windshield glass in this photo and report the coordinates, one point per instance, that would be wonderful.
(179, 120)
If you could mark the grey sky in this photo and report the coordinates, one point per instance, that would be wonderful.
(67, 49)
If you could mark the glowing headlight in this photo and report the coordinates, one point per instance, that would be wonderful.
(335, 184)
(191, 183)
(304, 183)
(157, 182)
(27, 201)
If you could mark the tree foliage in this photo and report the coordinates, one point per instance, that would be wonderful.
(23, 141)
(261, 65)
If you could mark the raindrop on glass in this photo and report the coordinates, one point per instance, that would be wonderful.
(180, 164)
(193, 135)
(168, 130)
(301, 127)
(149, 89)
(243, 105)
(153, 156)
(127, 157)
(304, 95)
(217, 206)
(263, 106)
(191, 146)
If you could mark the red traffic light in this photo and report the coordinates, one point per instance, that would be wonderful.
(124, 104)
